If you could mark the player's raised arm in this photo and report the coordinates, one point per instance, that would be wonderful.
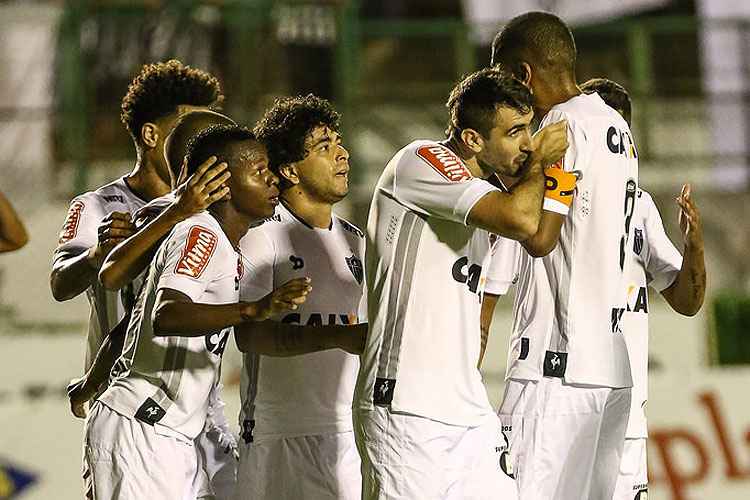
(13, 234)
(195, 195)
(517, 215)
(686, 293)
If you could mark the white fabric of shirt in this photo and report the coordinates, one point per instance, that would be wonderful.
(178, 373)
(310, 394)
(78, 235)
(424, 275)
(566, 300)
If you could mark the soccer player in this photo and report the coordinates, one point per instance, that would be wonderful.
(568, 379)
(656, 263)
(424, 425)
(296, 413)
(140, 434)
(13, 234)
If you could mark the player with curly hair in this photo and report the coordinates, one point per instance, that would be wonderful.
(296, 417)
(99, 220)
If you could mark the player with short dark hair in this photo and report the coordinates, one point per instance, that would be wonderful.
(296, 413)
(569, 373)
(612, 93)
(159, 394)
(424, 425)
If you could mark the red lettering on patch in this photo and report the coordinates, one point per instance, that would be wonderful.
(198, 250)
(70, 226)
(445, 162)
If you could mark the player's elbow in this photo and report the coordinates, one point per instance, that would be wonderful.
(537, 248)
(525, 226)
(109, 278)
(689, 309)
(57, 286)
(163, 319)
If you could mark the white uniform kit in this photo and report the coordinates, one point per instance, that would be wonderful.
(216, 445)
(424, 425)
(140, 435)
(78, 235)
(656, 263)
(296, 415)
(568, 380)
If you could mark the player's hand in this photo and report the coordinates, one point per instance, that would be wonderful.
(550, 143)
(288, 296)
(113, 230)
(206, 186)
(80, 392)
(689, 218)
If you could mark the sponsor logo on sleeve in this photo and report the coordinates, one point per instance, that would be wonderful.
(444, 162)
(70, 226)
(198, 250)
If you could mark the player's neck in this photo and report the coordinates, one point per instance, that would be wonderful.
(233, 223)
(467, 156)
(552, 94)
(313, 212)
(145, 180)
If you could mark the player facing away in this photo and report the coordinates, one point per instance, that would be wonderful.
(681, 279)
(423, 422)
(140, 434)
(568, 379)
(296, 418)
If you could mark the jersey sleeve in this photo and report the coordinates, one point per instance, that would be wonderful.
(80, 229)
(432, 180)
(258, 259)
(192, 260)
(574, 156)
(503, 267)
(663, 261)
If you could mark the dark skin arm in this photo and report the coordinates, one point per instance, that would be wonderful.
(517, 215)
(687, 292)
(13, 234)
(272, 338)
(72, 275)
(489, 301)
(546, 238)
(176, 314)
(132, 256)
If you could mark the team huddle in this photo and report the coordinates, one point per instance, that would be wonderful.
(361, 349)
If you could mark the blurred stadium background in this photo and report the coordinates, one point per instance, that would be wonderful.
(388, 65)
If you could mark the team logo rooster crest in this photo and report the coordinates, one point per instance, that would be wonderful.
(355, 266)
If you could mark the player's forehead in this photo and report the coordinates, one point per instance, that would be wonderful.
(319, 134)
(508, 118)
(250, 153)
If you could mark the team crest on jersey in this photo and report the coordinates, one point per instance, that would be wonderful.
(200, 246)
(355, 266)
(638, 241)
(351, 228)
(150, 412)
(445, 162)
(217, 342)
(70, 226)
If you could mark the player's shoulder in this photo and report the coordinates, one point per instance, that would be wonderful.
(201, 226)
(115, 192)
(348, 227)
(153, 208)
(434, 157)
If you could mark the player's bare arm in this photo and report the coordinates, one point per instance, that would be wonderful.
(489, 301)
(686, 294)
(273, 338)
(195, 195)
(517, 215)
(13, 234)
(176, 314)
(83, 389)
(71, 275)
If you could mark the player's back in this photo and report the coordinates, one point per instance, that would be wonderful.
(570, 302)
(424, 274)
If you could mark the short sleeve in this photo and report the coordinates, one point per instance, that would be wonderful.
(192, 260)
(258, 258)
(574, 156)
(432, 180)
(80, 229)
(503, 267)
(664, 261)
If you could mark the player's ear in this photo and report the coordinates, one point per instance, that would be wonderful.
(289, 173)
(472, 140)
(524, 74)
(150, 134)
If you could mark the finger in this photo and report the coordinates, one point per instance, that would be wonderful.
(686, 190)
(119, 224)
(183, 172)
(195, 178)
(112, 216)
(216, 196)
(118, 232)
(212, 173)
(217, 183)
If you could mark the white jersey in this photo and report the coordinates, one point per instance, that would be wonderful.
(309, 394)
(656, 262)
(424, 276)
(569, 303)
(78, 235)
(502, 271)
(166, 380)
